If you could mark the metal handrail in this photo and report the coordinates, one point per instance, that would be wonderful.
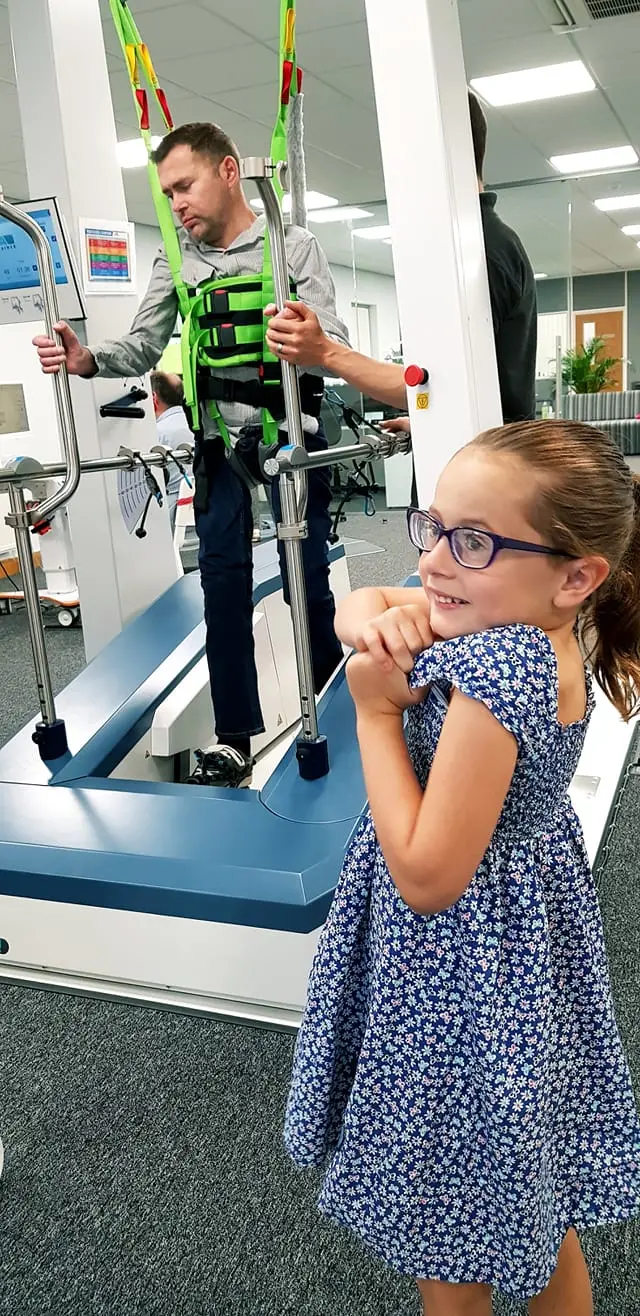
(62, 393)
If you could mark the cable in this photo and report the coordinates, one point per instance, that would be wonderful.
(9, 578)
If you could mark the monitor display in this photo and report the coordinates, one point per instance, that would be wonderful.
(20, 292)
(18, 264)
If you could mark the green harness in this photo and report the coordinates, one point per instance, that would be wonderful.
(223, 322)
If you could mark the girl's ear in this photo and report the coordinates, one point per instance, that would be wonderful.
(579, 580)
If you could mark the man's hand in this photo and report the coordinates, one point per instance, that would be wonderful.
(78, 359)
(401, 425)
(396, 637)
(295, 335)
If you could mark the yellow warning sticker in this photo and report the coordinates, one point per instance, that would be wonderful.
(422, 401)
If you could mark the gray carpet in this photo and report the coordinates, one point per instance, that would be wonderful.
(144, 1171)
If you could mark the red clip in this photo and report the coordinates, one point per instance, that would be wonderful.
(287, 75)
(300, 77)
(165, 107)
(141, 97)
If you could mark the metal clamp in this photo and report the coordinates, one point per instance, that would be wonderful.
(288, 532)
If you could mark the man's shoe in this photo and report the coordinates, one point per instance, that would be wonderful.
(222, 766)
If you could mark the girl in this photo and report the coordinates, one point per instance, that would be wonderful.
(459, 1066)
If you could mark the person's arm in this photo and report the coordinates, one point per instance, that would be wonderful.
(134, 353)
(360, 607)
(140, 350)
(433, 840)
(314, 284)
(296, 334)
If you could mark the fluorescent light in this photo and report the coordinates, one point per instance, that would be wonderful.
(618, 202)
(632, 230)
(614, 157)
(338, 213)
(376, 234)
(541, 276)
(133, 154)
(313, 201)
(539, 84)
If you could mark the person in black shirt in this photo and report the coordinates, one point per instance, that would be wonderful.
(295, 334)
(512, 290)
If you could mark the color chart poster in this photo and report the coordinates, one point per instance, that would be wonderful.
(108, 256)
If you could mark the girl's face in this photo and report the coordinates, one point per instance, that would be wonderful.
(493, 491)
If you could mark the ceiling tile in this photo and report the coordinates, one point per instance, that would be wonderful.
(259, 21)
(357, 83)
(216, 72)
(615, 36)
(179, 30)
(490, 55)
(7, 66)
(518, 18)
(332, 48)
(582, 123)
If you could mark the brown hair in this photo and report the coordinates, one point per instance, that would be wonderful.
(587, 502)
(203, 138)
(478, 133)
(167, 387)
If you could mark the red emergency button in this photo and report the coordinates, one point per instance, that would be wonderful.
(414, 376)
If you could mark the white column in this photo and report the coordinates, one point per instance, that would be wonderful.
(70, 146)
(434, 212)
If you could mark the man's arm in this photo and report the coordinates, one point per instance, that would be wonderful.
(134, 353)
(140, 350)
(314, 283)
(296, 335)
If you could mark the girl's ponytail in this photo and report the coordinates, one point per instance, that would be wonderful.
(611, 625)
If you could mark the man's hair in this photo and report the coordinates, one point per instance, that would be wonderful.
(203, 138)
(165, 387)
(478, 133)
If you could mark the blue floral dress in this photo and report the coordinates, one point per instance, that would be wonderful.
(461, 1076)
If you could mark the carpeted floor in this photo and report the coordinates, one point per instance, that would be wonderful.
(144, 1169)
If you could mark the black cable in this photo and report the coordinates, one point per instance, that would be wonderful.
(9, 578)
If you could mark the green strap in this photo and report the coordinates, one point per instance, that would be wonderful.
(137, 59)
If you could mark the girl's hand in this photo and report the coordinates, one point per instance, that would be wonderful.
(395, 638)
(379, 692)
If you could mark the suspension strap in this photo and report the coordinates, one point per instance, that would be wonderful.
(140, 66)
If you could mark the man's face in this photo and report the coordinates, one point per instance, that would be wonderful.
(201, 192)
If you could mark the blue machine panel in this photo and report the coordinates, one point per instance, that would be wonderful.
(268, 859)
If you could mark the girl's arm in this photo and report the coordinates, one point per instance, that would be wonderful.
(360, 607)
(433, 840)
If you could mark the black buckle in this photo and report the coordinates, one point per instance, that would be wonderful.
(220, 301)
(226, 335)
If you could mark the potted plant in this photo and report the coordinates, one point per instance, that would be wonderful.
(586, 370)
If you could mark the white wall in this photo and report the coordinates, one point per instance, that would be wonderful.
(376, 290)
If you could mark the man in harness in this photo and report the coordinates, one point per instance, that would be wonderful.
(234, 391)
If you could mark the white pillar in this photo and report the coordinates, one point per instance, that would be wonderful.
(434, 212)
(70, 146)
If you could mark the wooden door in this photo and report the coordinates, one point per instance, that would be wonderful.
(608, 325)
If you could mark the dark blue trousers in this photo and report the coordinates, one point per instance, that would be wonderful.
(226, 570)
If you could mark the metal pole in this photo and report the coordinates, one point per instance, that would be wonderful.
(50, 734)
(559, 397)
(61, 391)
(312, 749)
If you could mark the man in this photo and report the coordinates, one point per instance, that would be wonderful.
(220, 237)
(172, 426)
(513, 305)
